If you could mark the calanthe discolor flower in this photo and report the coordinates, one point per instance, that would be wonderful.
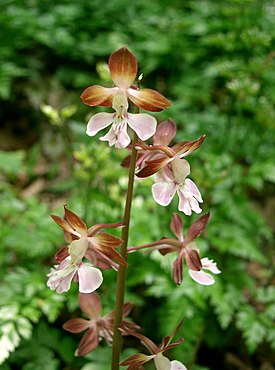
(92, 244)
(97, 326)
(186, 249)
(136, 361)
(123, 70)
(143, 124)
(89, 277)
(174, 180)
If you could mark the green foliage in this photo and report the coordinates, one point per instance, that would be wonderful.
(215, 61)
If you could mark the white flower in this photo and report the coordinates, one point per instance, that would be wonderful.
(175, 181)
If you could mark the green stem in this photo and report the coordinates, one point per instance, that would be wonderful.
(121, 275)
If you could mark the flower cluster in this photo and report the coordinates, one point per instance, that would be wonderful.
(90, 250)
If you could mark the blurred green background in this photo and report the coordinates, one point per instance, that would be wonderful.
(215, 61)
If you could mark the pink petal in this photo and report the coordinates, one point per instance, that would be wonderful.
(163, 192)
(194, 205)
(191, 186)
(210, 265)
(184, 205)
(196, 228)
(76, 325)
(90, 278)
(165, 132)
(177, 270)
(123, 67)
(202, 277)
(176, 226)
(143, 124)
(88, 342)
(60, 277)
(176, 365)
(98, 122)
(118, 137)
(90, 304)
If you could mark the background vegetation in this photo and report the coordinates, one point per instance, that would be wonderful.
(215, 61)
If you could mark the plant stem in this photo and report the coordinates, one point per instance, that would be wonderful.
(121, 275)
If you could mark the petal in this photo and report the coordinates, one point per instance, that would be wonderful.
(177, 270)
(103, 239)
(75, 221)
(152, 167)
(123, 67)
(90, 304)
(148, 99)
(162, 362)
(184, 205)
(187, 147)
(163, 192)
(98, 122)
(136, 360)
(165, 132)
(76, 325)
(191, 186)
(176, 365)
(143, 124)
(60, 284)
(176, 226)
(193, 260)
(210, 265)
(88, 342)
(196, 228)
(98, 95)
(202, 277)
(62, 254)
(194, 205)
(118, 137)
(90, 278)
(65, 225)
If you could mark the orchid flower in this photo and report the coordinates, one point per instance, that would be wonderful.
(123, 69)
(175, 180)
(93, 244)
(71, 267)
(136, 361)
(164, 155)
(143, 124)
(98, 327)
(186, 248)
(101, 245)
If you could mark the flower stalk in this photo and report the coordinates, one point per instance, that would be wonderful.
(121, 275)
